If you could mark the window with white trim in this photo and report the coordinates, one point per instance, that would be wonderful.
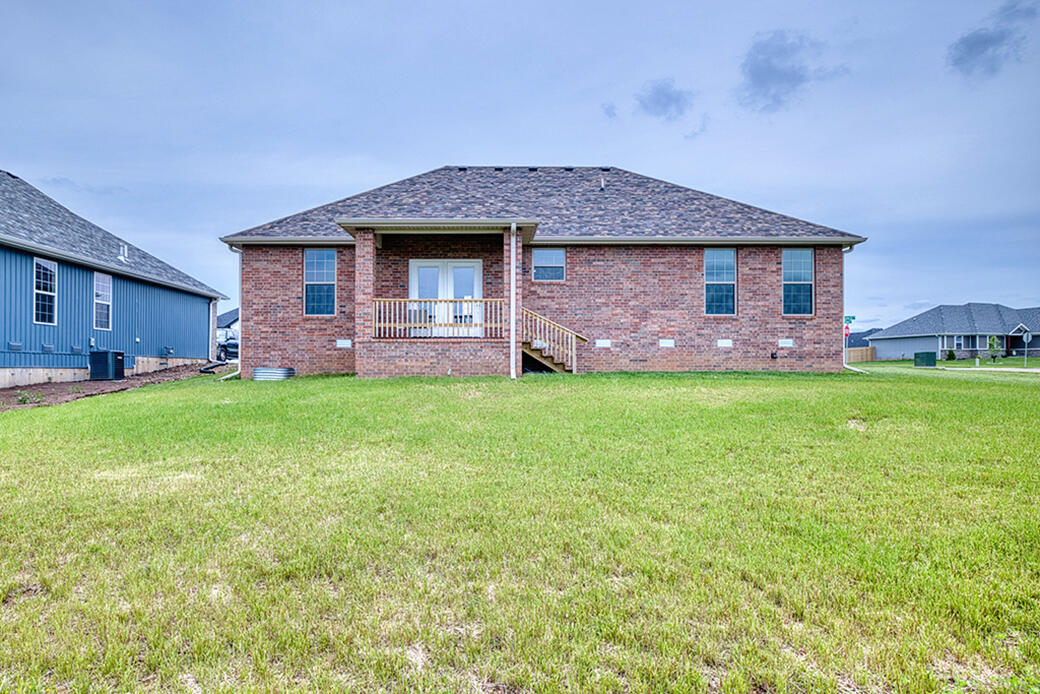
(102, 301)
(548, 265)
(720, 281)
(45, 291)
(319, 281)
(798, 281)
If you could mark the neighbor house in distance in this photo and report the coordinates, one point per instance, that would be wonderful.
(69, 287)
(228, 320)
(482, 270)
(964, 329)
(227, 324)
(859, 339)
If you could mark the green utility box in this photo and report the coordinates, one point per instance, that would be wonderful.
(924, 358)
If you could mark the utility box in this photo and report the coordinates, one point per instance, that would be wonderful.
(924, 358)
(106, 366)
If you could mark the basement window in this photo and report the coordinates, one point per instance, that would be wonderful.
(319, 282)
(549, 265)
(45, 292)
(102, 301)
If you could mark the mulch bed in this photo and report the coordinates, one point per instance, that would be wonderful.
(57, 393)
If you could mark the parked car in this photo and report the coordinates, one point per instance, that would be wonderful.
(227, 345)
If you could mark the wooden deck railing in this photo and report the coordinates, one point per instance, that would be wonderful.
(417, 318)
(552, 338)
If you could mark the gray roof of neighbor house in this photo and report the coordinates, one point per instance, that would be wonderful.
(859, 339)
(35, 222)
(967, 319)
(569, 203)
(224, 320)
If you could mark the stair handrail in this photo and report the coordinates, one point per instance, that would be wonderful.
(537, 327)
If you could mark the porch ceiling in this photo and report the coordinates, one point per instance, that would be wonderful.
(422, 225)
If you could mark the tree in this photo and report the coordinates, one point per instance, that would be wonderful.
(993, 349)
(950, 355)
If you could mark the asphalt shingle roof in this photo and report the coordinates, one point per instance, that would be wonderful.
(966, 319)
(225, 319)
(567, 201)
(859, 339)
(27, 216)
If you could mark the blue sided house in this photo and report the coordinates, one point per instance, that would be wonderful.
(68, 287)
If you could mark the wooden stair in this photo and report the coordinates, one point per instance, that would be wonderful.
(550, 343)
(544, 358)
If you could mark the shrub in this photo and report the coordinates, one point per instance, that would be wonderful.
(26, 398)
(950, 356)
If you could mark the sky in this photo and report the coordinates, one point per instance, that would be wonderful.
(916, 124)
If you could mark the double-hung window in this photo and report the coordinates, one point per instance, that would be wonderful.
(319, 282)
(720, 281)
(102, 301)
(549, 265)
(45, 292)
(798, 281)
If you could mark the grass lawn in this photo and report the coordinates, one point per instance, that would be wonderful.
(691, 532)
(1002, 362)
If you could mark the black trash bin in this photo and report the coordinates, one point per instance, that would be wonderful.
(106, 366)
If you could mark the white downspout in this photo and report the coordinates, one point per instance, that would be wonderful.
(240, 315)
(844, 342)
(512, 301)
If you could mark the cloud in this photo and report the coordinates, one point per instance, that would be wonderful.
(984, 51)
(777, 66)
(1015, 11)
(609, 109)
(919, 304)
(69, 184)
(662, 99)
(699, 130)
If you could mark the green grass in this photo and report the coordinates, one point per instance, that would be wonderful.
(690, 532)
(1002, 362)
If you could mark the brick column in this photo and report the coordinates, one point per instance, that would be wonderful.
(519, 295)
(364, 284)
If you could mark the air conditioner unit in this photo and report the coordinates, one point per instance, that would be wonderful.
(106, 366)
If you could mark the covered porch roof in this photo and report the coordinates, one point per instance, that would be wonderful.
(431, 225)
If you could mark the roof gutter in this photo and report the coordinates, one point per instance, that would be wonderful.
(235, 242)
(846, 241)
(899, 337)
(348, 240)
(114, 269)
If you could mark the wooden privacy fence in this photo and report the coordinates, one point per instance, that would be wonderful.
(416, 318)
(860, 354)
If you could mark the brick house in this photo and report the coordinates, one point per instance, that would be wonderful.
(493, 270)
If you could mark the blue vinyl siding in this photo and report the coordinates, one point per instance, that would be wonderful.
(159, 316)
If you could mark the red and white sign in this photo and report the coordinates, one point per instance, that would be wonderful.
(846, 331)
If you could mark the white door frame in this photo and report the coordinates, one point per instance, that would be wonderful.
(444, 313)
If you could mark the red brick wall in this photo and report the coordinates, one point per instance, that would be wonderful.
(274, 330)
(635, 295)
(632, 295)
(434, 357)
(391, 271)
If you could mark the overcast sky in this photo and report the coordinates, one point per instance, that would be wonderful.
(916, 124)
